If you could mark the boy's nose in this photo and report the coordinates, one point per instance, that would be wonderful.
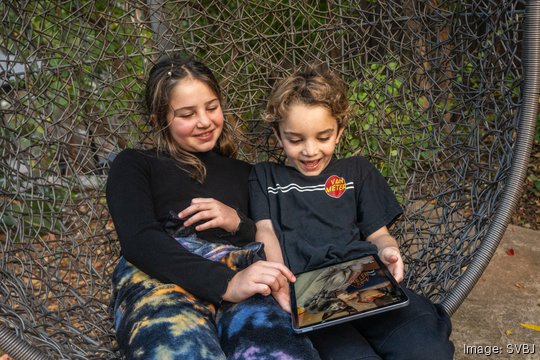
(309, 149)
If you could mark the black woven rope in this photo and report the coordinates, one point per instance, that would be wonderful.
(437, 92)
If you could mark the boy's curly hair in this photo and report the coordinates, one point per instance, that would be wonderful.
(312, 86)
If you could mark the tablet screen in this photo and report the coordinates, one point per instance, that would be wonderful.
(343, 292)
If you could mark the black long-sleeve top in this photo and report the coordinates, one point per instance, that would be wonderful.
(144, 186)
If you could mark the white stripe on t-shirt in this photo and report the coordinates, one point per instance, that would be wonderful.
(293, 186)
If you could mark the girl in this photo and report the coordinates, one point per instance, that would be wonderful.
(190, 283)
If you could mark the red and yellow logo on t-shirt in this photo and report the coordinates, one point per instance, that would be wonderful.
(335, 186)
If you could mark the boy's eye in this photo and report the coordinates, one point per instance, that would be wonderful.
(294, 141)
(324, 139)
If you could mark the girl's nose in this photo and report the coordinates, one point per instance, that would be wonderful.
(203, 121)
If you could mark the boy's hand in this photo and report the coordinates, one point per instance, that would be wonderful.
(214, 213)
(388, 251)
(262, 277)
(392, 258)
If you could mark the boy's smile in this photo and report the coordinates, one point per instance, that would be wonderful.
(309, 135)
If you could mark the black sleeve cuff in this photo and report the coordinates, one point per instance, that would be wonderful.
(245, 232)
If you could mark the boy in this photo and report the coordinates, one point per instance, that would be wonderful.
(318, 210)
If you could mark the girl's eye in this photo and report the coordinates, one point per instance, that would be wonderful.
(294, 141)
(324, 139)
(213, 108)
(184, 116)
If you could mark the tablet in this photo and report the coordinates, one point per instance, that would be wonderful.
(343, 292)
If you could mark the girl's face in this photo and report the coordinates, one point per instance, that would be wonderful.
(195, 119)
(309, 135)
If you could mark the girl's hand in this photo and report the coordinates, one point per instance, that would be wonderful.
(213, 213)
(392, 258)
(283, 298)
(262, 277)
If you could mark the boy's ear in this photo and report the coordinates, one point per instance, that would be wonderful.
(276, 133)
(340, 132)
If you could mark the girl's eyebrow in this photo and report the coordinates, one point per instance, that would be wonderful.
(193, 107)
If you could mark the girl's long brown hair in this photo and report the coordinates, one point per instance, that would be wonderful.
(163, 77)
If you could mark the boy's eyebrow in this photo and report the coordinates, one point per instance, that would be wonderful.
(323, 132)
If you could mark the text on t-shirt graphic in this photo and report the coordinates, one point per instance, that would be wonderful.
(335, 186)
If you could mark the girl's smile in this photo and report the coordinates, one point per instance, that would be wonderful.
(205, 136)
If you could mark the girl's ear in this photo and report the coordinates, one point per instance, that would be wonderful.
(276, 133)
(153, 119)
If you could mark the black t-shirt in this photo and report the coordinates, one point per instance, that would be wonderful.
(143, 187)
(323, 219)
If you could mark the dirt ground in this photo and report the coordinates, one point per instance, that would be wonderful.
(493, 322)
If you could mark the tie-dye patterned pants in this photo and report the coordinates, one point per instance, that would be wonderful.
(161, 321)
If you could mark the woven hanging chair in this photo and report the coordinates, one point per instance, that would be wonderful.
(445, 96)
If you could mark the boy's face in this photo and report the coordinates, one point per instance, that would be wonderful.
(309, 135)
